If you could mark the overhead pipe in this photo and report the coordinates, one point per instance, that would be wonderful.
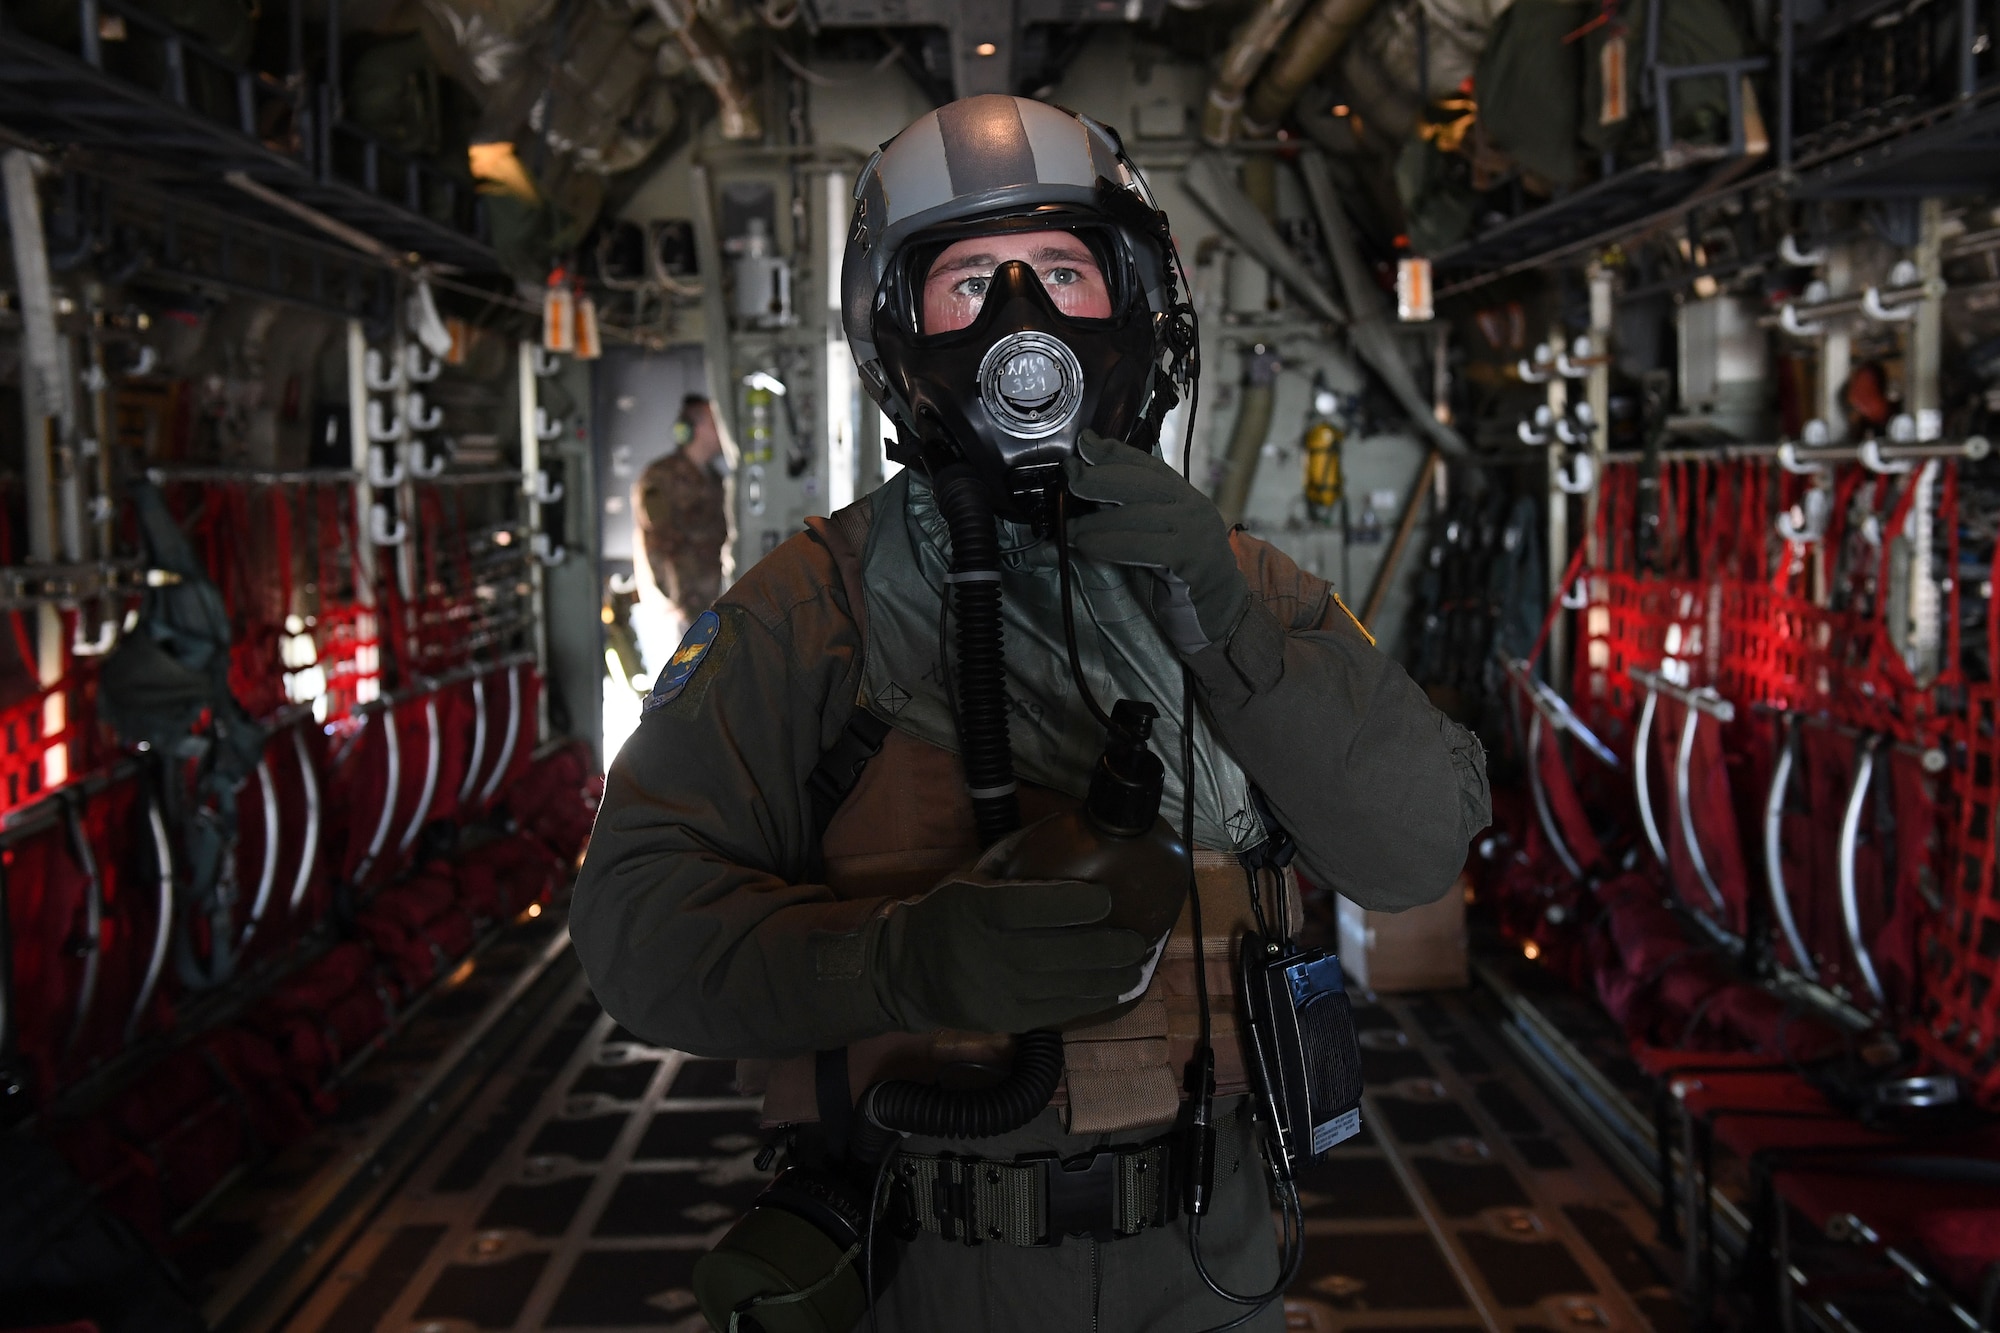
(1222, 111)
(1374, 333)
(1316, 40)
(1212, 182)
(711, 64)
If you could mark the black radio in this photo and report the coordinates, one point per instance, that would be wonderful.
(1304, 1056)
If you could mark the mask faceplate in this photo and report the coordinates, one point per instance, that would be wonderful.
(1010, 392)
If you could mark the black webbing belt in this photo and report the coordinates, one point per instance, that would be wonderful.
(1036, 1200)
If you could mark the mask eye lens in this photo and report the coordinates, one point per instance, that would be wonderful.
(956, 283)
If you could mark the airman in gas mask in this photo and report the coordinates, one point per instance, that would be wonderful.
(784, 867)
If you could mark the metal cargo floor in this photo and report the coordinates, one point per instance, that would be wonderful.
(584, 1171)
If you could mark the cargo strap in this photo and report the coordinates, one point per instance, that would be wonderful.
(1034, 1201)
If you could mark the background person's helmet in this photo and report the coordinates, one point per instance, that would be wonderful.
(1010, 392)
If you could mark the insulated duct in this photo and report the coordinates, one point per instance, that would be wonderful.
(1374, 328)
(705, 56)
(1318, 37)
(1253, 42)
(1246, 441)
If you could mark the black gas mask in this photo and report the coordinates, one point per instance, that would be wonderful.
(1009, 393)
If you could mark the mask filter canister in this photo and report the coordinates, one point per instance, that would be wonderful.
(1031, 384)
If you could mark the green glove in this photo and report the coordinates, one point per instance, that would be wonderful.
(1152, 518)
(988, 955)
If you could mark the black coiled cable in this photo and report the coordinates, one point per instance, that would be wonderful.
(982, 669)
(903, 1107)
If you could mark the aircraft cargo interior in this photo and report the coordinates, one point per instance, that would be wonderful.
(999, 666)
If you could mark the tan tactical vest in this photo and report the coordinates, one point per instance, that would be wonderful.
(907, 824)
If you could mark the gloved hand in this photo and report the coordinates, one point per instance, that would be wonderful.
(1153, 518)
(988, 955)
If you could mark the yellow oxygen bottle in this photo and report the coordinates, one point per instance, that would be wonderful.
(1322, 460)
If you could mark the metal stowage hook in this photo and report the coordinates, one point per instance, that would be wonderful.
(420, 365)
(1806, 520)
(1579, 367)
(383, 474)
(544, 552)
(422, 415)
(1871, 306)
(382, 373)
(1870, 454)
(1538, 368)
(417, 461)
(380, 530)
(1789, 321)
(1788, 250)
(1577, 428)
(107, 638)
(1788, 459)
(1579, 477)
(382, 427)
(544, 362)
(544, 491)
(1535, 429)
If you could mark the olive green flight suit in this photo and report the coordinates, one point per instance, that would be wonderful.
(698, 921)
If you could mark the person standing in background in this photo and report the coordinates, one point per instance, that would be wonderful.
(679, 505)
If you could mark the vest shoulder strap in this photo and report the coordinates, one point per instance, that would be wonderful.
(839, 769)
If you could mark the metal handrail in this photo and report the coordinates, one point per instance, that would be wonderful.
(1701, 701)
(267, 876)
(1684, 789)
(471, 778)
(1541, 797)
(1556, 709)
(93, 945)
(1774, 855)
(163, 928)
(1705, 699)
(309, 850)
(1642, 780)
(1850, 889)
(1973, 448)
(429, 791)
(508, 740)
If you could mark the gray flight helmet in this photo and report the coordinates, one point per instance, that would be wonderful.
(988, 159)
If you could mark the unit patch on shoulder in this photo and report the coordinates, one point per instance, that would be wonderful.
(687, 658)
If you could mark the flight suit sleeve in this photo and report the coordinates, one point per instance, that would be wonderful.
(691, 916)
(1382, 792)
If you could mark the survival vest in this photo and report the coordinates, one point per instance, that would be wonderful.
(904, 823)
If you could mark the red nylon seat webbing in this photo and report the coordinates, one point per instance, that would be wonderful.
(1804, 627)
